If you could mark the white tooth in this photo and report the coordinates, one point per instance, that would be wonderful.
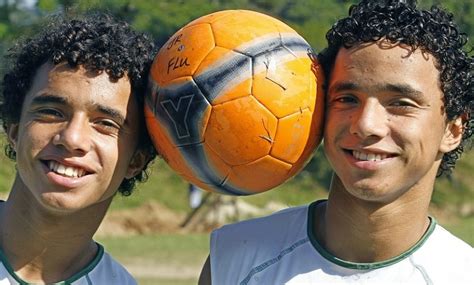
(356, 154)
(52, 165)
(69, 171)
(370, 156)
(65, 170)
(61, 169)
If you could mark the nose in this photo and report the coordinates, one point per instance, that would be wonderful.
(370, 120)
(75, 135)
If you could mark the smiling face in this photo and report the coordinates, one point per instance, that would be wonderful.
(77, 137)
(386, 129)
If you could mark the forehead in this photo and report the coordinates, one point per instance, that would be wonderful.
(79, 84)
(386, 63)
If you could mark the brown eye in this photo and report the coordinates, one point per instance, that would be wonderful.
(107, 126)
(343, 101)
(346, 99)
(402, 104)
(48, 114)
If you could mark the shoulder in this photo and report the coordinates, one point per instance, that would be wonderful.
(109, 271)
(287, 219)
(445, 243)
(5, 274)
(252, 245)
(444, 257)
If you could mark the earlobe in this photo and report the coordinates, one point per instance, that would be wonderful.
(137, 163)
(452, 135)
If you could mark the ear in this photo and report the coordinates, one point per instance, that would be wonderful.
(452, 135)
(12, 135)
(137, 163)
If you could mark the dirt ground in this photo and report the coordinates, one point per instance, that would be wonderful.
(153, 217)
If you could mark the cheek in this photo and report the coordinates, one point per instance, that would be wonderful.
(331, 153)
(32, 139)
(328, 124)
(333, 129)
(419, 147)
(115, 157)
(108, 152)
(421, 133)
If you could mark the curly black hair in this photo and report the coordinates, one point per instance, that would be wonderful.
(433, 31)
(96, 41)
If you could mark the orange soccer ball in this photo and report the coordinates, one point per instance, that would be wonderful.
(234, 104)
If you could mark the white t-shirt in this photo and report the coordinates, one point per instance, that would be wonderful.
(102, 270)
(281, 249)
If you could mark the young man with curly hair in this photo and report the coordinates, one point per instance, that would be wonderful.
(72, 112)
(399, 111)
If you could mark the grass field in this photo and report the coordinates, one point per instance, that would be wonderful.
(161, 258)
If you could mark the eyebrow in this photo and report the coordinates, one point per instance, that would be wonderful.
(48, 98)
(56, 99)
(115, 114)
(404, 89)
(343, 86)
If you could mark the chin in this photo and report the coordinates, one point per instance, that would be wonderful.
(62, 203)
(373, 195)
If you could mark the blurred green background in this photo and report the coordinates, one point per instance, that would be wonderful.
(174, 256)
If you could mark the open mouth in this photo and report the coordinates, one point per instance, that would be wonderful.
(369, 156)
(67, 171)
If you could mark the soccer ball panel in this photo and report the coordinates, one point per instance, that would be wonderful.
(234, 91)
(183, 110)
(283, 83)
(278, 25)
(164, 145)
(182, 54)
(210, 18)
(315, 131)
(240, 131)
(296, 44)
(218, 165)
(209, 171)
(204, 169)
(250, 31)
(224, 75)
(292, 136)
(266, 169)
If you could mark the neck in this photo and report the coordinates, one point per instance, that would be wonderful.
(46, 246)
(378, 230)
